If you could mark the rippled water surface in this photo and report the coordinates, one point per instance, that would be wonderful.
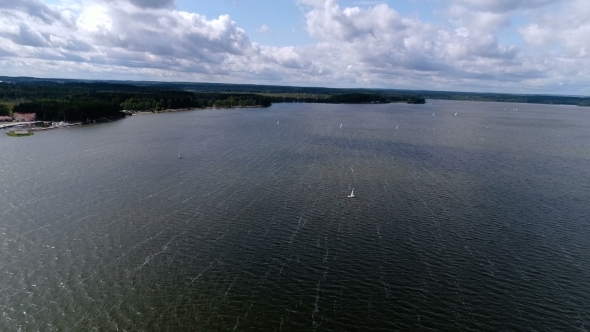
(479, 221)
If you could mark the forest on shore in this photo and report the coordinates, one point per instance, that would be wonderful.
(91, 101)
(84, 100)
(81, 101)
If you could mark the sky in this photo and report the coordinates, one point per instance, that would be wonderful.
(512, 46)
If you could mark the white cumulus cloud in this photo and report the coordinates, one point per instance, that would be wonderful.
(264, 29)
(367, 45)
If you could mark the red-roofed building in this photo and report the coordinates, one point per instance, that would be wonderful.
(24, 117)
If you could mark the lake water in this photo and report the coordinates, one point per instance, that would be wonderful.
(479, 221)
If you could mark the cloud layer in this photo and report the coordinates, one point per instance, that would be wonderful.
(369, 46)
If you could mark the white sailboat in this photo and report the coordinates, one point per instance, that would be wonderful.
(351, 194)
(179, 157)
(341, 125)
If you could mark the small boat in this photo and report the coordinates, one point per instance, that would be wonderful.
(277, 122)
(396, 127)
(351, 194)
(341, 125)
(179, 157)
(432, 114)
(455, 114)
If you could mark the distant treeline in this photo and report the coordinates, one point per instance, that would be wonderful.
(75, 101)
(78, 100)
(506, 98)
(89, 101)
(69, 110)
(169, 100)
(348, 98)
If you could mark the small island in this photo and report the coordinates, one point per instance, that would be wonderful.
(19, 133)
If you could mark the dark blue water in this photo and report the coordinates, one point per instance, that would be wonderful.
(479, 221)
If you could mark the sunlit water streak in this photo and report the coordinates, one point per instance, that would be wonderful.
(478, 221)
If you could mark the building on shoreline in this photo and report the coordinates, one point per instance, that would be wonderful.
(25, 117)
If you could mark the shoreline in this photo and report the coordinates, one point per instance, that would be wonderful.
(171, 110)
(65, 125)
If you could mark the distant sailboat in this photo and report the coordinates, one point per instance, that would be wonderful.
(351, 194)
(341, 125)
(396, 127)
(179, 157)
(455, 114)
(432, 114)
(277, 122)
